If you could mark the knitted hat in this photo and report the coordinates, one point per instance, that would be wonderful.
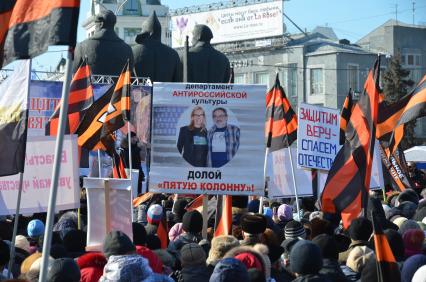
(192, 254)
(294, 229)
(420, 275)
(117, 243)
(63, 270)
(410, 266)
(175, 231)
(192, 222)
(253, 223)
(250, 260)
(358, 258)
(221, 245)
(305, 258)
(396, 243)
(328, 246)
(22, 243)
(408, 224)
(413, 242)
(285, 212)
(229, 270)
(35, 228)
(154, 214)
(360, 229)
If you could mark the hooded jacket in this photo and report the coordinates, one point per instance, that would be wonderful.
(91, 266)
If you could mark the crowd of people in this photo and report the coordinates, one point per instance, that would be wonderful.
(277, 245)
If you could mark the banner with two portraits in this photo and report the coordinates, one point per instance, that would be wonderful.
(207, 139)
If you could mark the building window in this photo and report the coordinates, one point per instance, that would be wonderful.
(353, 77)
(132, 8)
(261, 78)
(239, 78)
(317, 81)
(410, 60)
(290, 80)
(130, 34)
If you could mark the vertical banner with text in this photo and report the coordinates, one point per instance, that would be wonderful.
(208, 139)
(317, 136)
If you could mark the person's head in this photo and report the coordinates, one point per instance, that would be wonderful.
(117, 243)
(154, 214)
(328, 246)
(220, 117)
(201, 33)
(305, 258)
(229, 270)
(192, 222)
(139, 234)
(221, 245)
(198, 118)
(192, 254)
(253, 224)
(35, 228)
(360, 229)
(64, 270)
(105, 20)
(411, 166)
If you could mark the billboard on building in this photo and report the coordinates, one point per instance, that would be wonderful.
(232, 24)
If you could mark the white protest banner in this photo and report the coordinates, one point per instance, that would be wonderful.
(109, 207)
(37, 176)
(208, 139)
(280, 184)
(317, 136)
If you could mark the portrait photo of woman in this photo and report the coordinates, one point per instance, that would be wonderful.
(192, 140)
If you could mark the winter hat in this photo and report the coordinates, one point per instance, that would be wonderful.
(408, 224)
(264, 252)
(327, 245)
(35, 228)
(220, 246)
(267, 211)
(175, 231)
(154, 261)
(399, 221)
(408, 195)
(117, 243)
(253, 223)
(22, 243)
(315, 214)
(75, 241)
(396, 243)
(358, 258)
(420, 275)
(253, 206)
(321, 226)
(305, 258)
(192, 254)
(250, 260)
(239, 201)
(179, 209)
(410, 266)
(285, 212)
(154, 214)
(408, 209)
(360, 229)
(192, 222)
(229, 270)
(294, 229)
(288, 245)
(139, 234)
(413, 242)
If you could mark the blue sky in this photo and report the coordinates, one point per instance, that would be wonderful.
(349, 19)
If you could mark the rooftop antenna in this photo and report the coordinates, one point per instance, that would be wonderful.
(396, 13)
(414, 11)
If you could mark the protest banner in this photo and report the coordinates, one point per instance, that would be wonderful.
(280, 183)
(317, 136)
(37, 177)
(109, 207)
(208, 139)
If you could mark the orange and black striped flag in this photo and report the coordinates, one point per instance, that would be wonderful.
(119, 106)
(162, 233)
(348, 181)
(90, 128)
(415, 108)
(118, 169)
(80, 99)
(387, 268)
(28, 27)
(396, 167)
(345, 116)
(281, 120)
(223, 220)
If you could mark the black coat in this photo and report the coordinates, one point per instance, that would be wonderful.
(331, 268)
(196, 155)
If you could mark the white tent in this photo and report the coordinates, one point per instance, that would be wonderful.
(416, 154)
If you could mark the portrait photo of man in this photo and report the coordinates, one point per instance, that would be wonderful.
(223, 139)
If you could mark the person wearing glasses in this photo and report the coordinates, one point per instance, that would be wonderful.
(223, 139)
(192, 140)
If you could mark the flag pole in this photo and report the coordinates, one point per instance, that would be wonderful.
(99, 164)
(294, 183)
(15, 225)
(264, 180)
(130, 150)
(56, 167)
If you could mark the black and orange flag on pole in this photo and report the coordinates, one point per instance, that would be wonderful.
(223, 221)
(348, 181)
(118, 169)
(28, 27)
(281, 120)
(345, 116)
(80, 99)
(387, 268)
(119, 106)
(162, 233)
(415, 108)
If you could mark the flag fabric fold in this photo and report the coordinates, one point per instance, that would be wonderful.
(387, 268)
(28, 27)
(345, 116)
(80, 99)
(281, 120)
(162, 233)
(348, 181)
(14, 119)
(223, 221)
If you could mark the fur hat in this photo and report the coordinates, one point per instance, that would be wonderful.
(253, 223)
(359, 257)
(221, 245)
